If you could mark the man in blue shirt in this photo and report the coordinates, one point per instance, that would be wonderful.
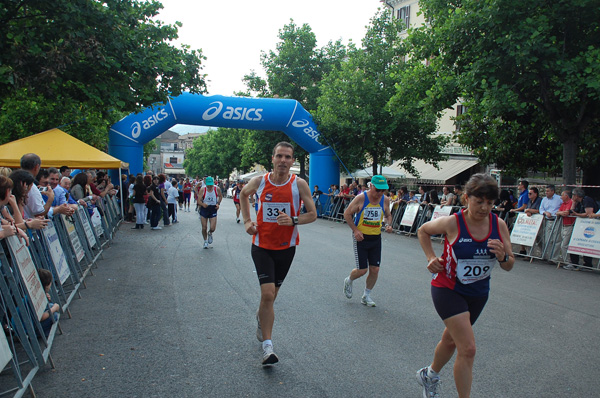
(523, 196)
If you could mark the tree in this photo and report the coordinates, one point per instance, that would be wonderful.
(84, 64)
(529, 73)
(354, 116)
(294, 70)
(216, 153)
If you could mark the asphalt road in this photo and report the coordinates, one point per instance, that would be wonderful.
(162, 317)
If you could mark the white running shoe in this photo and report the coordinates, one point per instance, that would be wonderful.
(258, 329)
(156, 228)
(210, 239)
(237, 220)
(348, 287)
(269, 357)
(366, 300)
(432, 387)
(206, 244)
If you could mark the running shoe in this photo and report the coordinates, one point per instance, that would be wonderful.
(237, 220)
(366, 300)
(269, 357)
(210, 239)
(206, 244)
(568, 267)
(432, 387)
(258, 329)
(348, 287)
(156, 228)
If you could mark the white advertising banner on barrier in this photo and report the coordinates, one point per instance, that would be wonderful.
(5, 354)
(408, 218)
(56, 252)
(87, 227)
(585, 239)
(526, 229)
(73, 237)
(441, 211)
(97, 222)
(29, 274)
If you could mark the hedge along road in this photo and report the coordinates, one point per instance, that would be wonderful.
(163, 317)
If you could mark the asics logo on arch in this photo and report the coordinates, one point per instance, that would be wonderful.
(308, 130)
(231, 113)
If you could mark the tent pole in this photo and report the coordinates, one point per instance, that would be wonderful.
(121, 193)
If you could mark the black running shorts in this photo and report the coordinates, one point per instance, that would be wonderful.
(448, 303)
(272, 266)
(368, 251)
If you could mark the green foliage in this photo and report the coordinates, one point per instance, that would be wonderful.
(216, 153)
(85, 64)
(354, 116)
(528, 71)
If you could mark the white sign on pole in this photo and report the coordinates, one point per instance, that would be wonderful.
(97, 221)
(29, 274)
(5, 354)
(75, 242)
(87, 227)
(441, 211)
(526, 229)
(408, 218)
(56, 252)
(585, 239)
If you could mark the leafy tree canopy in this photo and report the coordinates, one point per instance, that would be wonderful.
(529, 73)
(354, 116)
(83, 64)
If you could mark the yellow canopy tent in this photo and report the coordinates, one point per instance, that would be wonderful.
(57, 148)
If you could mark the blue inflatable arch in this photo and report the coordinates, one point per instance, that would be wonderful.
(128, 136)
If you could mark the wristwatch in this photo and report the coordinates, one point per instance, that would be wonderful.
(295, 220)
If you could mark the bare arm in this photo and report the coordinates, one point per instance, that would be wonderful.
(353, 208)
(441, 226)
(387, 215)
(249, 190)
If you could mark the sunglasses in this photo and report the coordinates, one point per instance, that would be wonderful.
(379, 190)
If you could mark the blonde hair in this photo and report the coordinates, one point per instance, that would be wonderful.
(5, 171)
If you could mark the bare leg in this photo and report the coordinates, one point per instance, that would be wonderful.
(372, 277)
(357, 273)
(204, 222)
(266, 313)
(213, 224)
(458, 334)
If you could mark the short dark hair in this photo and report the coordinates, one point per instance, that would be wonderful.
(63, 168)
(45, 277)
(29, 161)
(579, 192)
(284, 144)
(482, 186)
(53, 170)
(551, 186)
(43, 173)
(525, 183)
(534, 189)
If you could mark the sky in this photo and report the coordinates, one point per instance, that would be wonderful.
(233, 33)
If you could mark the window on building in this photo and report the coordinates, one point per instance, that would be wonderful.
(175, 146)
(173, 160)
(403, 14)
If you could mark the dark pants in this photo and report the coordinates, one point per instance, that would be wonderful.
(163, 207)
(172, 212)
(154, 215)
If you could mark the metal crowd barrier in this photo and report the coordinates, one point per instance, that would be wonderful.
(68, 247)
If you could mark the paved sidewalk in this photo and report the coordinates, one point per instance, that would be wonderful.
(162, 317)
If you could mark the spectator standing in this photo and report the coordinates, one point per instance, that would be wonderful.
(564, 211)
(163, 199)
(583, 206)
(447, 197)
(172, 200)
(139, 202)
(548, 208)
(154, 204)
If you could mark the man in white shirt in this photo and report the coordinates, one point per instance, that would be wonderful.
(172, 195)
(35, 206)
(549, 206)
